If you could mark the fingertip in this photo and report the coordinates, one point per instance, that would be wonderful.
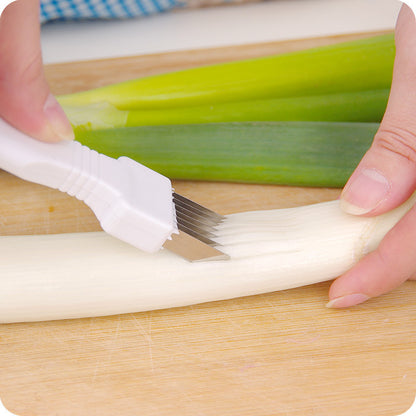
(54, 133)
(57, 126)
(46, 122)
(346, 301)
(366, 190)
(365, 280)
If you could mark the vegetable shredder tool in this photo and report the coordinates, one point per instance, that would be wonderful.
(132, 202)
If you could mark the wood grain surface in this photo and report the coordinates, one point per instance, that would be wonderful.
(280, 354)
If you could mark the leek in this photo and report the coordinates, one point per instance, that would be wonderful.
(92, 274)
(364, 64)
(364, 106)
(361, 106)
(292, 153)
(343, 82)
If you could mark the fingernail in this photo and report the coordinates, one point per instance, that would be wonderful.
(59, 127)
(364, 192)
(347, 300)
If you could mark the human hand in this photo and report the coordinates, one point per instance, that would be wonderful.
(384, 179)
(25, 99)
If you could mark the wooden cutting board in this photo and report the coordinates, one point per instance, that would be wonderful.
(280, 354)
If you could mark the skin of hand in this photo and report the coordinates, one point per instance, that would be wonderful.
(384, 179)
(25, 98)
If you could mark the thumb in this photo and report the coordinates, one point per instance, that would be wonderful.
(386, 176)
(25, 99)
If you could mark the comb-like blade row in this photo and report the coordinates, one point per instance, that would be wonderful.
(195, 214)
(197, 231)
(194, 233)
(183, 221)
(193, 206)
(196, 219)
(193, 249)
(195, 223)
(185, 215)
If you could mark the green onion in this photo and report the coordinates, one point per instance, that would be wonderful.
(352, 66)
(291, 153)
(363, 106)
(348, 106)
(278, 119)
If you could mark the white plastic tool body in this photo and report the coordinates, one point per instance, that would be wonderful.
(131, 201)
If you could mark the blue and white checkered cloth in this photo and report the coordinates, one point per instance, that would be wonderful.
(101, 9)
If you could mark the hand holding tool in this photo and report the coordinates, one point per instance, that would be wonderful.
(132, 202)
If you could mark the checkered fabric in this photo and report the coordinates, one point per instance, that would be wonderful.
(101, 9)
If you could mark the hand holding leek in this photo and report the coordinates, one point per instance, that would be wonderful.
(389, 167)
(384, 179)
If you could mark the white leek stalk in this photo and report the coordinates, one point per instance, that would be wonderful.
(91, 274)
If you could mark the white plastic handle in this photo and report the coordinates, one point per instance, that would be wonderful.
(131, 201)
